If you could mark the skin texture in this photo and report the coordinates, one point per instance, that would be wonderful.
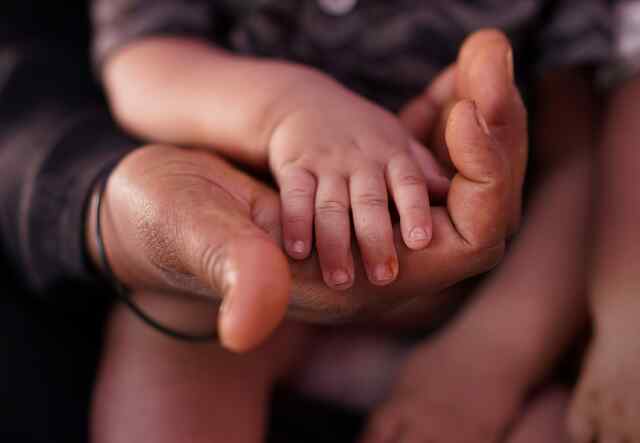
(145, 252)
(606, 404)
(334, 155)
(186, 222)
(152, 388)
(544, 420)
(469, 393)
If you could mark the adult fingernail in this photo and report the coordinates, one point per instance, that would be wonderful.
(482, 123)
(510, 68)
(339, 277)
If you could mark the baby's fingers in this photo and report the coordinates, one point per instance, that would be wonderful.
(333, 232)
(297, 191)
(409, 190)
(372, 222)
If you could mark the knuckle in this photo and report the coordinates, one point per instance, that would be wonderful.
(298, 193)
(370, 236)
(371, 200)
(366, 166)
(411, 179)
(295, 219)
(329, 207)
(417, 206)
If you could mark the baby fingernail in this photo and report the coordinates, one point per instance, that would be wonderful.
(339, 277)
(382, 273)
(418, 234)
(297, 247)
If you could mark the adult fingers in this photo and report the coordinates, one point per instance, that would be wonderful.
(187, 222)
(479, 200)
(425, 116)
(486, 75)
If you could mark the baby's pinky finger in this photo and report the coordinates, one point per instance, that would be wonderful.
(409, 191)
(297, 191)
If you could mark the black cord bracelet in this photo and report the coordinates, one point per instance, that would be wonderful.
(122, 292)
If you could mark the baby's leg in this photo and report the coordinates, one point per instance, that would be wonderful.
(606, 407)
(350, 368)
(469, 384)
(154, 388)
(544, 420)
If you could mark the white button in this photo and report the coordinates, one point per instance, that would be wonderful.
(337, 7)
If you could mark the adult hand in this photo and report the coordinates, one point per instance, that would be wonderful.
(186, 222)
(484, 74)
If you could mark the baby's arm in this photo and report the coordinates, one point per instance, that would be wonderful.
(332, 152)
(189, 92)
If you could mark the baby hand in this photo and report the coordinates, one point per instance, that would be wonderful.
(336, 155)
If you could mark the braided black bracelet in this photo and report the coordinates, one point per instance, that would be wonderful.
(122, 292)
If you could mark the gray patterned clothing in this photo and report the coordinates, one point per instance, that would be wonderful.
(625, 61)
(386, 50)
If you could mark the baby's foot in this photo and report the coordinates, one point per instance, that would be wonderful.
(451, 391)
(606, 406)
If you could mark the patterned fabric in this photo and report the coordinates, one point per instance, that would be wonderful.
(385, 50)
(626, 30)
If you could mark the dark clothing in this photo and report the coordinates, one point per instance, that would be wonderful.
(49, 359)
(385, 50)
(625, 62)
(56, 136)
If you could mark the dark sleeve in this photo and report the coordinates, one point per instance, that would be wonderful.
(56, 137)
(574, 34)
(118, 22)
(625, 62)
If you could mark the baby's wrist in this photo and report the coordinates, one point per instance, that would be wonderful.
(245, 129)
(294, 87)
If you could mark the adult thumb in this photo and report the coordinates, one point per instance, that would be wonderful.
(227, 247)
